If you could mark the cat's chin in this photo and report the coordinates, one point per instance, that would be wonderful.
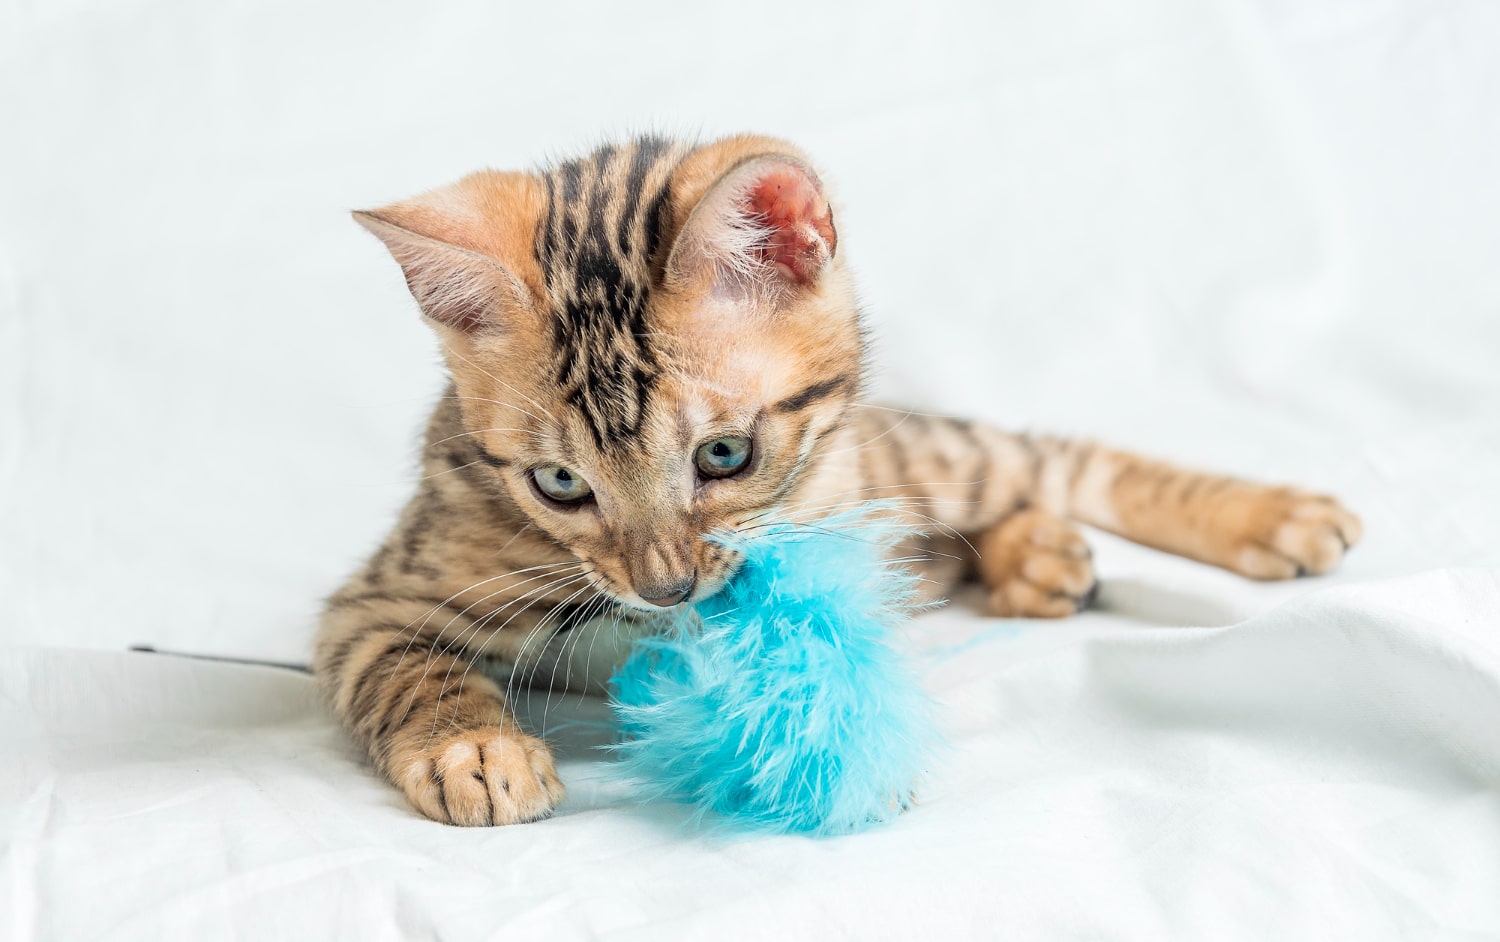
(642, 607)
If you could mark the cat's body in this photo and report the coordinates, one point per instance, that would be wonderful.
(648, 345)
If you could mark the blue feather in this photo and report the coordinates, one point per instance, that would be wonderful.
(778, 702)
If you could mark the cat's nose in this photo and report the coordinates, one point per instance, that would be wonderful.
(668, 595)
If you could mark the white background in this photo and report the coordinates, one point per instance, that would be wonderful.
(1259, 236)
(1256, 235)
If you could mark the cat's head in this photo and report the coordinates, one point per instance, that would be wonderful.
(648, 343)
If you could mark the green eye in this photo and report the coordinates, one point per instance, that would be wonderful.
(561, 485)
(723, 457)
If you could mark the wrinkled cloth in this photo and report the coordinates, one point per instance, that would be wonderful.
(1329, 769)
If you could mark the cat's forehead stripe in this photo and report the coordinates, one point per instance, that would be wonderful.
(596, 245)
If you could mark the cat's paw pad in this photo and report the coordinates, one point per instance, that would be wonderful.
(1036, 565)
(1286, 533)
(482, 777)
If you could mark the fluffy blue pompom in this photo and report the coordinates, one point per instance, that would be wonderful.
(778, 702)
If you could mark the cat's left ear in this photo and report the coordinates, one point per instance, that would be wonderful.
(764, 225)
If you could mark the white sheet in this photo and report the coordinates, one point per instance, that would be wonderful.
(1326, 770)
(1259, 235)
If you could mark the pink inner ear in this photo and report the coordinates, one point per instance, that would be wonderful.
(798, 220)
(459, 307)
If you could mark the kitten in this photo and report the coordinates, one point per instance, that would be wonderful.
(648, 345)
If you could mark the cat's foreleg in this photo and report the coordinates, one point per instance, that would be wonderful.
(404, 684)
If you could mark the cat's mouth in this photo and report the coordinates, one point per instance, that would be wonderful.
(655, 583)
(670, 600)
(665, 599)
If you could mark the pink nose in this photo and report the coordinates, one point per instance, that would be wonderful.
(668, 595)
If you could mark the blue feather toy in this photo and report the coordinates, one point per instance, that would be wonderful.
(778, 702)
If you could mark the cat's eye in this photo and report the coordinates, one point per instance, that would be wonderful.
(561, 484)
(723, 457)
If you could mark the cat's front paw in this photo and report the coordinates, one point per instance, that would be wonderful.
(1036, 565)
(481, 777)
(1281, 532)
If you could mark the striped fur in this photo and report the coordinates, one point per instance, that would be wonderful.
(610, 315)
(602, 230)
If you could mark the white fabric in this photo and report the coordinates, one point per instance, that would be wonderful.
(1258, 235)
(1327, 770)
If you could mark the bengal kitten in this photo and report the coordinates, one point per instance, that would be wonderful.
(649, 345)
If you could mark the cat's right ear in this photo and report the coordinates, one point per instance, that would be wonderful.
(453, 246)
